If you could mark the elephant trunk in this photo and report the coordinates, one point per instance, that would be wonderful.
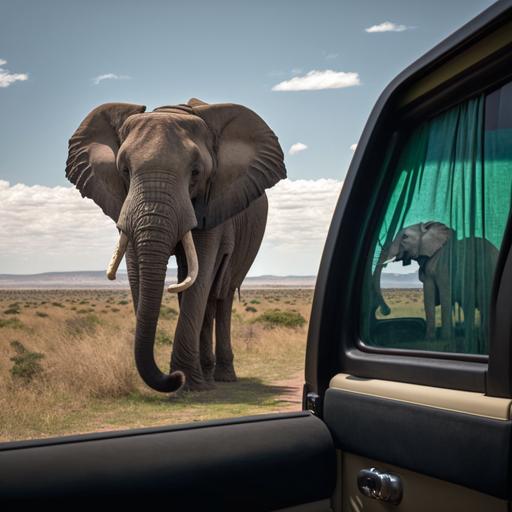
(152, 271)
(387, 254)
(155, 218)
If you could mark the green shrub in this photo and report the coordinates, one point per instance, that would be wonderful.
(12, 311)
(58, 305)
(85, 311)
(13, 323)
(123, 302)
(26, 364)
(168, 313)
(42, 314)
(277, 318)
(255, 301)
(251, 309)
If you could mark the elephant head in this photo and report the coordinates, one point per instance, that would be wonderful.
(417, 242)
(161, 174)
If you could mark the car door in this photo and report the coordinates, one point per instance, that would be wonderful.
(422, 427)
(410, 370)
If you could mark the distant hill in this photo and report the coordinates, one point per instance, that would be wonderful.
(98, 279)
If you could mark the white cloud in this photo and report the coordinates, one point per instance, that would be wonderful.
(52, 229)
(318, 80)
(55, 229)
(300, 211)
(109, 76)
(353, 147)
(387, 26)
(7, 78)
(297, 148)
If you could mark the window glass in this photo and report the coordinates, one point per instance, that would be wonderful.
(428, 284)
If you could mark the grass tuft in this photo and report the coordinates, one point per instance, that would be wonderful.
(27, 364)
(280, 318)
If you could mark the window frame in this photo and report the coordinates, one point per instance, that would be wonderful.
(412, 124)
(334, 344)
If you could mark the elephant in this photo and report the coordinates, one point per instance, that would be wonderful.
(452, 271)
(187, 180)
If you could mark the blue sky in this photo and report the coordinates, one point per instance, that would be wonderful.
(164, 52)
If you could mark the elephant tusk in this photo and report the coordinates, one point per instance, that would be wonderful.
(119, 251)
(192, 265)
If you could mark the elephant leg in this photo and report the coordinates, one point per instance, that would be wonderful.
(470, 331)
(429, 300)
(224, 369)
(193, 304)
(445, 298)
(206, 342)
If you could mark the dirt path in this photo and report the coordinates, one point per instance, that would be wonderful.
(291, 397)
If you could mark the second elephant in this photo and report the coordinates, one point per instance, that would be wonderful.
(452, 271)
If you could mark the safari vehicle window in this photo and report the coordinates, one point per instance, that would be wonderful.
(428, 283)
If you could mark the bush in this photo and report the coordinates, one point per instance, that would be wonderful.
(85, 311)
(123, 302)
(26, 364)
(255, 301)
(12, 311)
(277, 318)
(58, 305)
(251, 309)
(42, 314)
(168, 313)
(13, 323)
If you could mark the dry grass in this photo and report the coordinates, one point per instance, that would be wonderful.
(88, 380)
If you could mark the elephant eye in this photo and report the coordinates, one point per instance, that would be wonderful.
(195, 172)
(405, 236)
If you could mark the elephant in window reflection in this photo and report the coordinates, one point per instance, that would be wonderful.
(187, 180)
(452, 271)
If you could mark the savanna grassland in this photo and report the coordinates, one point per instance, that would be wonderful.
(66, 362)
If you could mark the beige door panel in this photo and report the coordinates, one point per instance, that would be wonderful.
(420, 493)
(440, 398)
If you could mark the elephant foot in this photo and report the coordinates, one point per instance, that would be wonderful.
(208, 375)
(225, 373)
(198, 386)
(194, 380)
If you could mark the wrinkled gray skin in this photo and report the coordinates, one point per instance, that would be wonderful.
(439, 255)
(159, 175)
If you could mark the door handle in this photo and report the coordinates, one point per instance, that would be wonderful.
(379, 485)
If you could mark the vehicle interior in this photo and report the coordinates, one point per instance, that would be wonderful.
(407, 396)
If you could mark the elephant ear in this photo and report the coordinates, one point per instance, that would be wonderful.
(91, 164)
(195, 102)
(248, 157)
(434, 236)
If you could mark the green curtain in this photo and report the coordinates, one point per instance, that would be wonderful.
(453, 171)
